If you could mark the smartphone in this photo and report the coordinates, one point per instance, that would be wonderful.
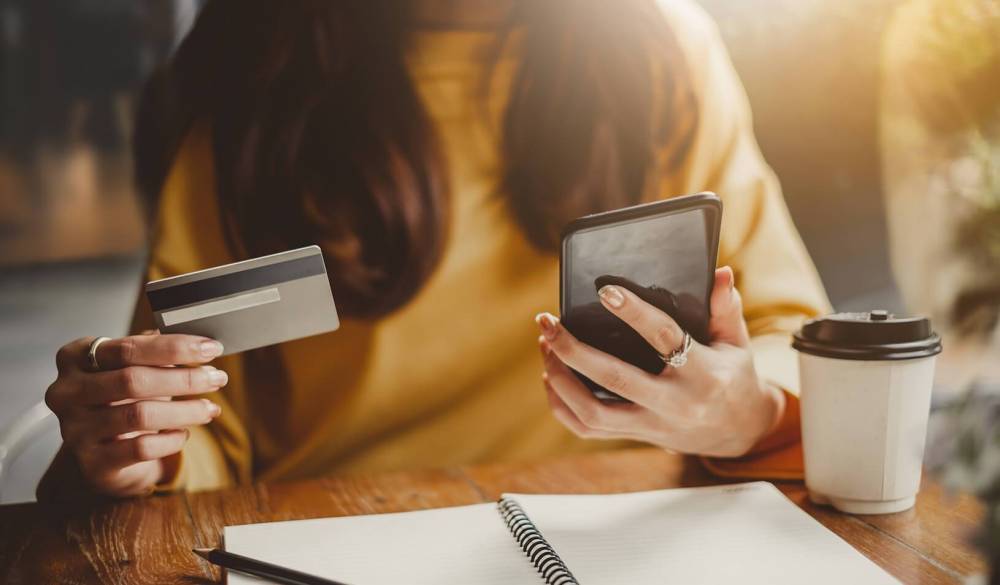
(664, 252)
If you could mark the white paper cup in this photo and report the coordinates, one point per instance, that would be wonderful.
(866, 382)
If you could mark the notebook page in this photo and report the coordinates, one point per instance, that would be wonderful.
(746, 533)
(467, 544)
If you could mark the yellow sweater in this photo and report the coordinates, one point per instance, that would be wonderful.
(454, 376)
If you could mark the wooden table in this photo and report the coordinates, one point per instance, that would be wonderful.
(150, 540)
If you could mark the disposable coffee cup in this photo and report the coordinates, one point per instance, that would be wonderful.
(866, 383)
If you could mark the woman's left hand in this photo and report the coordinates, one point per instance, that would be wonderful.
(714, 405)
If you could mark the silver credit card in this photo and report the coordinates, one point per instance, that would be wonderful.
(249, 304)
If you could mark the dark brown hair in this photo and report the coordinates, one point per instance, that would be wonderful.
(320, 137)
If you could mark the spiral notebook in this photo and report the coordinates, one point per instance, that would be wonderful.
(745, 533)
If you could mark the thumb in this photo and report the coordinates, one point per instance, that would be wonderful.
(727, 324)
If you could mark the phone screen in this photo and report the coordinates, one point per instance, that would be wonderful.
(667, 259)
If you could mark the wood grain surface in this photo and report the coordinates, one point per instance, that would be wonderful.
(149, 540)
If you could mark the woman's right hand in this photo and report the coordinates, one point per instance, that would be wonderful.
(126, 423)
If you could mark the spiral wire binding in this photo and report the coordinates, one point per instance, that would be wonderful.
(534, 545)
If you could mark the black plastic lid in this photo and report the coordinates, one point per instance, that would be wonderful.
(877, 335)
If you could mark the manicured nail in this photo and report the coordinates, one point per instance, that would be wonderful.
(549, 325)
(730, 277)
(211, 348)
(213, 408)
(612, 296)
(218, 378)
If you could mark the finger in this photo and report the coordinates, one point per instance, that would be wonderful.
(565, 416)
(727, 324)
(617, 419)
(149, 415)
(568, 419)
(157, 350)
(124, 452)
(560, 411)
(59, 395)
(655, 326)
(144, 382)
(73, 355)
(614, 374)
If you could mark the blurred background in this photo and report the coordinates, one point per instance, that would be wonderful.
(72, 231)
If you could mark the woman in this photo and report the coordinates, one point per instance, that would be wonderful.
(435, 154)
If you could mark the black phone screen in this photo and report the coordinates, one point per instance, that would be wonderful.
(667, 258)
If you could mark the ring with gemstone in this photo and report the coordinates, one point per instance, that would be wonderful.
(679, 356)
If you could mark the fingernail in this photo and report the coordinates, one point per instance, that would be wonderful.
(549, 325)
(211, 348)
(544, 346)
(213, 408)
(612, 296)
(218, 377)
